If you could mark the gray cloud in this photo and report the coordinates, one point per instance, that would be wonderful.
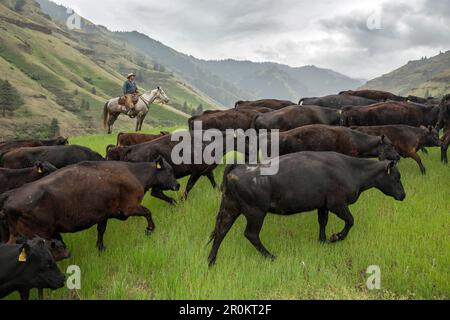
(331, 34)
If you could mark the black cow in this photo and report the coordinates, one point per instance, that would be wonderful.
(27, 266)
(15, 178)
(59, 156)
(326, 181)
(296, 116)
(444, 123)
(15, 144)
(337, 101)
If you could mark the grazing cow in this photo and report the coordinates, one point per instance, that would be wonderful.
(391, 112)
(326, 181)
(129, 139)
(59, 156)
(296, 116)
(376, 95)
(7, 146)
(273, 104)
(163, 146)
(318, 137)
(222, 120)
(15, 178)
(444, 123)
(337, 101)
(27, 266)
(82, 195)
(407, 140)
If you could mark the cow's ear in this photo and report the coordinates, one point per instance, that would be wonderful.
(159, 163)
(40, 167)
(383, 137)
(389, 167)
(24, 252)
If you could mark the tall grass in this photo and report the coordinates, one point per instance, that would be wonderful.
(408, 240)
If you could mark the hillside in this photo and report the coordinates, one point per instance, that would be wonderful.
(424, 77)
(57, 71)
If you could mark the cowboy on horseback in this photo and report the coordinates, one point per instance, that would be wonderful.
(131, 93)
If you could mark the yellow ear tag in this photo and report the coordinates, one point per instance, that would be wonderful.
(389, 171)
(158, 166)
(22, 256)
(39, 170)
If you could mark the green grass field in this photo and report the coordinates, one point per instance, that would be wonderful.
(408, 240)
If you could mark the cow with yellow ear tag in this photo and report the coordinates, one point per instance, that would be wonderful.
(27, 266)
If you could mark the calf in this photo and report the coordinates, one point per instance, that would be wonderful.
(337, 101)
(163, 146)
(82, 195)
(391, 112)
(15, 144)
(273, 104)
(15, 178)
(376, 95)
(27, 266)
(59, 156)
(296, 116)
(326, 181)
(407, 140)
(318, 137)
(129, 139)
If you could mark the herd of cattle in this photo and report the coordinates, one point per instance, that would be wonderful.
(48, 187)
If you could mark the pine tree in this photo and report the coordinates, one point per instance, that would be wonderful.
(54, 130)
(200, 109)
(10, 99)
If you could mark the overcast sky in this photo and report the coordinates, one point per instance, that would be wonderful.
(362, 39)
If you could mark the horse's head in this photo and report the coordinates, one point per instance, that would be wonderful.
(161, 95)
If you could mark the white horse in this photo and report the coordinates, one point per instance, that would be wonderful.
(113, 109)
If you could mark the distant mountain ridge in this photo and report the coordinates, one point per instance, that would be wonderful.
(423, 77)
(226, 81)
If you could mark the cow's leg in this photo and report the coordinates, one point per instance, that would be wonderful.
(157, 193)
(24, 294)
(416, 157)
(444, 147)
(345, 214)
(323, 220)
(226, 217)
(255, 220)
(101, 228)
(191, 182)
(211, 179)
(140, 211)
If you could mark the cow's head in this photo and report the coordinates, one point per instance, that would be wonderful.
(386, 150)
(37, 266)
(44, 168)
(388, 181)
(61, 141)
(164, 175)
(431, 137)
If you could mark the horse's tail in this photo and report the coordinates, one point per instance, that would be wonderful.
(105, 114)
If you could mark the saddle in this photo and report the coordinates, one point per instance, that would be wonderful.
(134, 99)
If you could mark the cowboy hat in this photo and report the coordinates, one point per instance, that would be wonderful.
(130, 75)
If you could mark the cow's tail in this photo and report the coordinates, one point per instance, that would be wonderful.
(191, 122)
(253, 122)
(105, 114)
(222, 212)
(118, 138)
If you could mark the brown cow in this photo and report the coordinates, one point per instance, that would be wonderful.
(318, 137)
(129, 139)
(391, 112)
(273, 104)
(7, 146)
(82, 195)
(15, 178)
(376, 95)
(226, 119)
(407, 140)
